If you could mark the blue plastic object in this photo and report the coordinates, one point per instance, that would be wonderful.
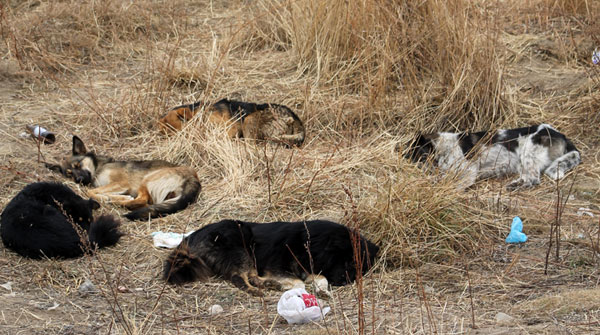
(516, 232)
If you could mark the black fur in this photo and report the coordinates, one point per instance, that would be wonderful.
(421, 149)
(34, 223)
(228, 248)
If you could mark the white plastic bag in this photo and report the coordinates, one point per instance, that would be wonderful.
(168, 239)
(297, 306)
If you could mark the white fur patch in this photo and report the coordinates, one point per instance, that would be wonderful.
(160, 188)
(529, 159)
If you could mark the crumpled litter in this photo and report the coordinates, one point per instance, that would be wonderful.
(585, 211)
(596, 56)
(296, 306)
(167, 239)
(516, 232)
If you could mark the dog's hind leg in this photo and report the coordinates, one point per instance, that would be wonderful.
(562, 165)
(110, 193)
(142, 199)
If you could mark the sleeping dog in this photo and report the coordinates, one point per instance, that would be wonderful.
(248, 120)
(50, 220)
(274, 255)
(528, 151)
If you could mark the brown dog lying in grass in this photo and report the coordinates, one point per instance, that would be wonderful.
(272, 122)
(148, 188)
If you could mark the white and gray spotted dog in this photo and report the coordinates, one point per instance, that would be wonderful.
(528, 151)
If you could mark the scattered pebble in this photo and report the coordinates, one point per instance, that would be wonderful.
(46, 306)
(87, 287)
(123, 289)
(503, 318)
(215, 309)
(429, 289)
(7, 285)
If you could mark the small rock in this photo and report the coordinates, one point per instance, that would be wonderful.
(503, 318)
(123, 289)
(46, 306)
(7, 286)
(429, 289)
(215, 309)
(87, 287)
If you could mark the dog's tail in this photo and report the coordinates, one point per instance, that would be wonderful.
(296, 127)
(189, 194)
(104, 231)
(183, 267)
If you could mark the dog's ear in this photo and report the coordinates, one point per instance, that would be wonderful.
(94, 204)
(78, 146)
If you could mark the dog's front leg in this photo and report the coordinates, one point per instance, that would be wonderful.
(530, 168)
(241, 281)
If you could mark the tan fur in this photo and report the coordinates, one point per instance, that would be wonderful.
(253, 284)
(275, 123)
(143, 187)
(174, 119)
(134, 185)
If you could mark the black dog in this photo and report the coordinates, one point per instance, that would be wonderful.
(49, 219)
(252, 255)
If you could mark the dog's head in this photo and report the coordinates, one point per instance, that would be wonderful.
(421, 148)
(79, 210)
(175, 118)
(344, 268)
(80, 166)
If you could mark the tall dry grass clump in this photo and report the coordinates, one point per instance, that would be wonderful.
(59, 36)
(442, 54)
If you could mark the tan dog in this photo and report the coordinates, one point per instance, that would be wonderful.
(248, 120)
(148, 188)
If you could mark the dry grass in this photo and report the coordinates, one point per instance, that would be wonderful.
(365, 76)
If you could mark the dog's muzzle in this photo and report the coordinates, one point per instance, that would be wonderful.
(82, 177)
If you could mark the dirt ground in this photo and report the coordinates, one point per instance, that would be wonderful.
(113, 101)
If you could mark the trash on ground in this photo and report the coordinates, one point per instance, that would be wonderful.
(585, 211)
(167, 239)
(41, 134)
(516, 232)
(296, 306)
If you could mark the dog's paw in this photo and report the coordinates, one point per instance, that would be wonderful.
(255, 292)
(554, 173)
(272, 284)
(514, 185)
